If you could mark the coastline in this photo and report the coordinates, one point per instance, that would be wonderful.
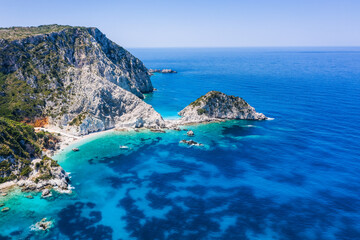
(67, 139)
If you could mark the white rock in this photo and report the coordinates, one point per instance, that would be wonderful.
(190, 133)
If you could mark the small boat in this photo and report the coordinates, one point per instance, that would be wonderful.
(4, 194)
(76, 149)
(124, 147)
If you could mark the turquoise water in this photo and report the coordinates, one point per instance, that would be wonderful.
(295, 177)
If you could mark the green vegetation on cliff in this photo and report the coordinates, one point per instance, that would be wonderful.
(204, 98)
(18, 145)
(18, 140)
(30, 74)
(15, 33)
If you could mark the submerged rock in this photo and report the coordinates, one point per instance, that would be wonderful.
(29, 196)
(2, 204)
(75, 149)
(157, 130)
(215, 106)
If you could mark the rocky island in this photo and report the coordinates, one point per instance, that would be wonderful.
(215, 106)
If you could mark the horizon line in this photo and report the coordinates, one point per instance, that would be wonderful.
(330, 46)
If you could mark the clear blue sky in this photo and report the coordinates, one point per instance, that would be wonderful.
(199, 23)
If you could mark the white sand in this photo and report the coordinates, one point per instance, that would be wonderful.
(4, 187)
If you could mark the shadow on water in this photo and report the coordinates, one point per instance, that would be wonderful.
(254, 216)
(74, 225)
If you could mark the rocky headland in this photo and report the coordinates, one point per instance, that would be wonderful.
(74, 79)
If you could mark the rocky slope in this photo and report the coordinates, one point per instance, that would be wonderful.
(72, 78)
(216, 105)
(22, 158)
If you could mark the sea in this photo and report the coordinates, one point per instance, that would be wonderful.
(296, 176)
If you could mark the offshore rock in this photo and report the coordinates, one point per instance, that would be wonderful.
(46, 193)
(191, 143)
(43, 225)
(151, 71)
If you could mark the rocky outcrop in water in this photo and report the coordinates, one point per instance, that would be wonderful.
(75, 77)
(151, 71)
(215, 106)
(43, 225)
(191, 143)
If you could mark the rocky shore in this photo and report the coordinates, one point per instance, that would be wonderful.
(44, 175)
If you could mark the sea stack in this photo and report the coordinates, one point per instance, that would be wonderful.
(215, 106)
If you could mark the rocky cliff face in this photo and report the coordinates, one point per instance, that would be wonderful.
(216, 105)
(75, 77)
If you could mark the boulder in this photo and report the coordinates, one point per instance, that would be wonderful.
(46, 193)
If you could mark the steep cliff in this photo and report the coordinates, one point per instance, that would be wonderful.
(216, 105)
(74, 77)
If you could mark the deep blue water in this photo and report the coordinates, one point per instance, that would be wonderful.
(295, 177)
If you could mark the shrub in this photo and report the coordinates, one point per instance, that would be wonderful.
(201, 111)
(41, 134)
(25, 171)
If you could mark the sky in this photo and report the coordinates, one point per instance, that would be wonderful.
(199, 23)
